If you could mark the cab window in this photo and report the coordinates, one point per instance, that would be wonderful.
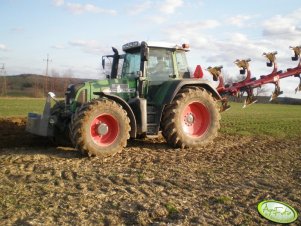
(182, 65)
(131, 65)
(159, 64)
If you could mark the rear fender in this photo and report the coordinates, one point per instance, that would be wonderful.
(203, 83)
(177, 85)
(172, 88)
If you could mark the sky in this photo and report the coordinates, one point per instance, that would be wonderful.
(76, 33)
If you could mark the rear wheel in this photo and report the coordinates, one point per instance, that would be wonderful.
(191, 120)
(100, 128)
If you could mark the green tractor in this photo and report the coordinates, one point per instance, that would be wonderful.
(152, 91)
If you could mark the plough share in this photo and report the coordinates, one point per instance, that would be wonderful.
(250, 83)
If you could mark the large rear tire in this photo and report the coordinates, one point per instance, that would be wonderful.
(191, 120)
(100, 128)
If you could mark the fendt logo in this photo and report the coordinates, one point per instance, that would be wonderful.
(278, 212)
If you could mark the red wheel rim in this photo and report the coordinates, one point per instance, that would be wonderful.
(195, 119)
(104, 130)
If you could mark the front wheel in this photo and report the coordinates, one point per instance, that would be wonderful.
(191, 120)
(61, 134)
(100, 128)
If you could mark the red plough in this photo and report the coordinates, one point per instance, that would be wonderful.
(250, 83)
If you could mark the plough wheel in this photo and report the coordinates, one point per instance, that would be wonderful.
(192, 119)
(100, 128)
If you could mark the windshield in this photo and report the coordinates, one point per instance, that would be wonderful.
(131, 64)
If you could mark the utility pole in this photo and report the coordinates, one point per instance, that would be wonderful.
(46, 75)
(4, 85)
(36, 88)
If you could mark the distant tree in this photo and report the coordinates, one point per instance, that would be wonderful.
(27, 85)
(68, 73)
(67, 78)
(261, 91)
(55, 83)
(55, 73)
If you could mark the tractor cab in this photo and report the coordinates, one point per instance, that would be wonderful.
(154, 60)
(149, 65)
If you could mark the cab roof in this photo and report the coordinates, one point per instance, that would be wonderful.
(166, 45)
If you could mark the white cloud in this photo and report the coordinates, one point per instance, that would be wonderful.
(290, 32)
(187, 27)
(58, 2)
(206, 24)
(169, 6)
(77, 8)
(17, 30)
(139, 8)
(81, 42)
(160, 8)
(89, 46)
(239, 20)
(296, 14)
(286, 27)
(3, 47)
(190, 29)
(157, 19)
(58, 46)
(238, 38)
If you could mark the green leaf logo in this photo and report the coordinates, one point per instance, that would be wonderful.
(278, 212)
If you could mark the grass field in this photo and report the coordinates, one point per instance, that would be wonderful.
(257, 120)
(262, 120)
(20, 106)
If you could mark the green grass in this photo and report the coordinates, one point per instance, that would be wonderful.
(224, 199)
(281, 121)
(171, 208)
(20, 106)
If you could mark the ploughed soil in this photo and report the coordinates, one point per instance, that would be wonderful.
(147, 184)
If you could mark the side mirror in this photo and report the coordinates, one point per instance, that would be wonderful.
(103, 62)
(139, 74)
(144, 51)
